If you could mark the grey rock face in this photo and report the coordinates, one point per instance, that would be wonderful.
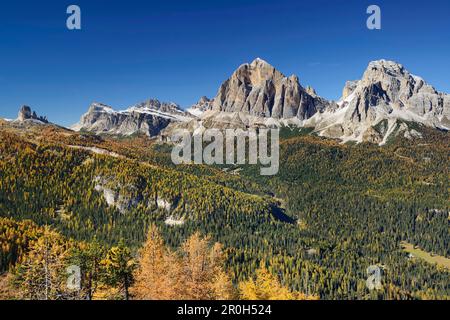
(148, 118)
(258, 89)
(388, 92)
(258, 95)
(203, 105)
(114, 198)
(390, 85)
(350, 86)
(26, 113)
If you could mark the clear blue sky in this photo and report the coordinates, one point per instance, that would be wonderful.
(129, 51)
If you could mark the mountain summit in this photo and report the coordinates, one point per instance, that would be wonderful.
(381, 103)
(148, 118)
(258, 89)
(373, 109)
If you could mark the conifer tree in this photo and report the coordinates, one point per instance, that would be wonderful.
(119, 266)
(42, 275)
(88, 256)
(267, 287)
(151, 275)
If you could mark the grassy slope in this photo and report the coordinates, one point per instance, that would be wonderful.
(430, 258)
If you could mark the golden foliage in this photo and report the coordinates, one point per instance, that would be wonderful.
(42, 275)
(267, 287)
(7, 289)
(195, 273)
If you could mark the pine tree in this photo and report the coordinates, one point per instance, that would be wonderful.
(88, 256)
(119, 266)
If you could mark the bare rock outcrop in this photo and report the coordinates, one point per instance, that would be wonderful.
(386, 93)
(258, 89)
(147, 118)
(25, 113)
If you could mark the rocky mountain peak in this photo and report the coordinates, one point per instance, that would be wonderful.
(260, 90)
(256, 73)
(204, 104)
(385, 66)
(260, 64)
(311, 91)
(156, 105)
(399, 89)
(203, 100)
(349, 87)
(25, 113)
(100, 107)
(387, 94)
(148, 118)
(259, 61)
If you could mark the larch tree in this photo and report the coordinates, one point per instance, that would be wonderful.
(266, 286)
(42, 275)
(151, 280)
(194, 272)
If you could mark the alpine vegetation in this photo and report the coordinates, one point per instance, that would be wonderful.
(207, 146)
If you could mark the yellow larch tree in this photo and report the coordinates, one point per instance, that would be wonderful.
(266, 286)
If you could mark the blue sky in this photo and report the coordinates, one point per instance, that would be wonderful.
(129, 51)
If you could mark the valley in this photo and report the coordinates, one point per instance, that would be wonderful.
(326, 185)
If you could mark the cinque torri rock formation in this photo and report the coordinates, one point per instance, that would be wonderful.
(147, 118)
(26, 114)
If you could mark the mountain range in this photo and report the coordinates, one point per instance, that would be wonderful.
(384, 103)
(90, 195)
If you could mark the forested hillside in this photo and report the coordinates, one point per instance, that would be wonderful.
(331, 212)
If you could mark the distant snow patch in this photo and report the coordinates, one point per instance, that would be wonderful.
(195, 112)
